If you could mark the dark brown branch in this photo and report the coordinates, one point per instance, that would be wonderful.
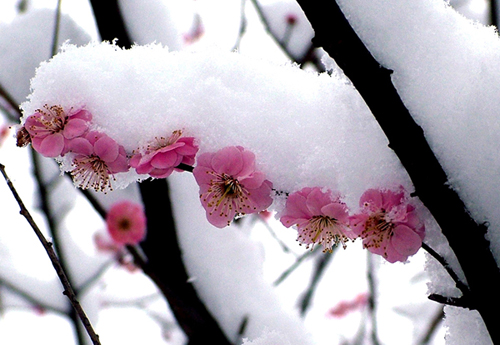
(406, 138)
(162, 246)
(68, 290)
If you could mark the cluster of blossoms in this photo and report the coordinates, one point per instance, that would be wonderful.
(230, 185)
(95, 157)
(387, 223)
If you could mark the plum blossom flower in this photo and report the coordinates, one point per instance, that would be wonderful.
(126, 223)
(52, 128)
(97, 158)
(106, 245)
(345, 307)
(230, 185)
(388, 224)
(160, 158)
(320, 217)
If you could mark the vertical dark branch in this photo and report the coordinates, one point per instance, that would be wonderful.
(53, 225)
(494, 13)
(407, 139)
(110, 22)
(372, 304)
(164, 263)
(320, 265)
(161, 247)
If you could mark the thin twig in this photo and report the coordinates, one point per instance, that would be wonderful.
(372, 306)
(56, 28)
(296, 264)
(68, 290)
(433, 326)
(321, 264)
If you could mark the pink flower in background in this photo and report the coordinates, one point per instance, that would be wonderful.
(122, 257)
(230, 185)
(320, 218)
(345, 307)
(160, 158)
(388, 225)
(97, 158)
(126, 223)
(51, 129)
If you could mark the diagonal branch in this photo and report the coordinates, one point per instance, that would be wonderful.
(466, 237)
(68, 290)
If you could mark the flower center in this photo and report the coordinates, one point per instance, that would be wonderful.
(323, 230)
(378, 229)
(124, 224)
(53, 119)
(226, 195)
(93, 172)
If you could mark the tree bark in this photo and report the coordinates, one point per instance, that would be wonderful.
(467, 238)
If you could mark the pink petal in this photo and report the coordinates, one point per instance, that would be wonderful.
(120, 164)
(161, 173)
(165, 160)
(228, 160)
(373, 197)
(106, 148)
(336, 210)
(248, 166)
(75, 128)
(80, 146)
(316, 200)
(51, 145)
(254, 181)
(405, 241)
(81, 115)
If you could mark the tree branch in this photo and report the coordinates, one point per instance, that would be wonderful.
(68, 290)
(407, 139)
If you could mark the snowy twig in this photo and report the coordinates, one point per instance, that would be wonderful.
(373, 82)
(372, 310)
(435, 321)
(243, 25)
(68, 290)
(43, 192)
(321, 264)
(296, 264)
(463, 301)
(11, 104)
(282, 43)
(28, 297)
(56, 28)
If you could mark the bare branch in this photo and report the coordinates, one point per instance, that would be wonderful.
(68, 290)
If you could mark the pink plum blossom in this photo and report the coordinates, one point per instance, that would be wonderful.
(388, 224)
(106, 245)
(160, 158)
(96, 158)
(320, 217)
(52, 128)
(345, 307)
(230, 185)
(126, 223)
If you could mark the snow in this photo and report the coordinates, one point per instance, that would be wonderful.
(306, 130)
(267, 109)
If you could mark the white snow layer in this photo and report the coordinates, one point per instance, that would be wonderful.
(306, 129)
